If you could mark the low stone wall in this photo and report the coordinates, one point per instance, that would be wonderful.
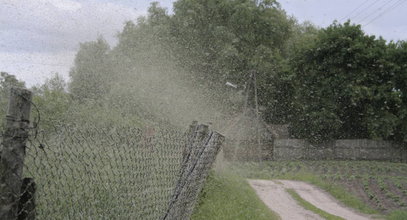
(358, 149)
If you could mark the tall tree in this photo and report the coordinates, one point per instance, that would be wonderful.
(345, 86)
(229, 38)
(220, 40)
(92, 72)
(398, 55)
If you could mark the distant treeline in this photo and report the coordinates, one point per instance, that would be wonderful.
(330, 83)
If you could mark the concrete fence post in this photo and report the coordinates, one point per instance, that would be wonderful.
(13, 152)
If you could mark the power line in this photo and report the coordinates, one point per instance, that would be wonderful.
(398, 3)
(354, 10)
(377, 10)
(365, 9)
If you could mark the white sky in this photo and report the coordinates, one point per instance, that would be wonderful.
(39, 37)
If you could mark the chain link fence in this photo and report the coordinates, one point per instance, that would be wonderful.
(104, 173)
(88, 172)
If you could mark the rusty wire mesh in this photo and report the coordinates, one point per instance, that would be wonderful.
(88, 172)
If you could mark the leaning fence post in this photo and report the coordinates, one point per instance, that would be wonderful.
(13, 152)
(199, 155)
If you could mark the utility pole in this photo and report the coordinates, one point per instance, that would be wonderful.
(252, 103)
(256, 104)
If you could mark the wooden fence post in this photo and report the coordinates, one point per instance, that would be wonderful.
(200, 152)
(13, 152)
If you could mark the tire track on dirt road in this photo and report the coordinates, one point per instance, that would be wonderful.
(273, 193)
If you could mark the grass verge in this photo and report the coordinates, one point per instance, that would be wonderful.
(311, 207)
(398, 215)
(227, 196)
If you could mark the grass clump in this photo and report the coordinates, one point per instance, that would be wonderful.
(226, 196)
(311, 207)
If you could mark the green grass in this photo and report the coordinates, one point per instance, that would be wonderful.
(311, 207)
(227, 196)
(398, 215)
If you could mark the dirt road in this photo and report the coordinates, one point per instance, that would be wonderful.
(273, 194)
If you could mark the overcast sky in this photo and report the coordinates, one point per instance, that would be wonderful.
(39, 37)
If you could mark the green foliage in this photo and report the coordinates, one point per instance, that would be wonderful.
(56, 106)
(92, 71)
(227, 196)
(228, 38)
(220, 40)
(205, 43)
(332, 83)
(101, 115)
(303, 35)
(52, 101)
(346, 87)
(398, 215)
(398, 55)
